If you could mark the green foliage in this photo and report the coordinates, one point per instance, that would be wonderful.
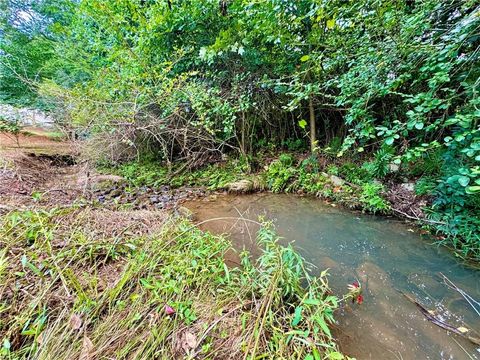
(372, 200)
(426, 164)
(144, 288)
(334, 146)
(425, 185)
(143, 173)
(294, 144)
(333, 169)
(354, 173)
(282, 275)
(379, 167)
(309, 179)
(280, 173)
(10, 127)
(185, 81)
(153, 174)
(29, 30)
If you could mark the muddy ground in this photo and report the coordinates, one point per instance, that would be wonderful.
(38, 170)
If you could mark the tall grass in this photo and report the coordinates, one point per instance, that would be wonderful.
(67, 294)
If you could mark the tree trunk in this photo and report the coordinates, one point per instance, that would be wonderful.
(242, 144)
(313, 130)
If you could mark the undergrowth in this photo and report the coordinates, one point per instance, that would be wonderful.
(451, 213)
(153, 174)
(68, 293)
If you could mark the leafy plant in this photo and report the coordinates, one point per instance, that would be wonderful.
(425, 185)
(379, 167)
(280, 172)
(372, 200)
(12, 128)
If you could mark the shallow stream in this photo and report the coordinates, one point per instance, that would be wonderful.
(386, 255)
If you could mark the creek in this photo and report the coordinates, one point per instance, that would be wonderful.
(386, 255)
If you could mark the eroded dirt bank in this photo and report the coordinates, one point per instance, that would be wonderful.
(37, 170)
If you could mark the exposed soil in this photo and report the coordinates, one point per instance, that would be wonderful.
(35, 140)
(27, 179)
(41, 171)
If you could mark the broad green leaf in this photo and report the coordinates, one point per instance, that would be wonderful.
(321, 321)
(312, 302)
(389, 140)
(472, 189)
(335, 356)
(464, 180)
(331, 23)
(302, 123)
(297, 316)
(305, 58)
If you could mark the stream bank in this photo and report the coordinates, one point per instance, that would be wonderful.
(353, 246)
(84, 278)
(385, 255)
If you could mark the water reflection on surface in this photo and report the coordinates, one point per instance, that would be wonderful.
(387, 256)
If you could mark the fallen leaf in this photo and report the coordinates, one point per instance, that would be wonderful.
(75, 322)
(87, 349)
(190, 340)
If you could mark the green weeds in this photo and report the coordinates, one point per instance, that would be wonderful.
(280, 172)
(286, 175)
(67, 292)
(213, 177)
(372, 200)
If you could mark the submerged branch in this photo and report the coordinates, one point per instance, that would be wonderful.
(430, 315)
(471, 301)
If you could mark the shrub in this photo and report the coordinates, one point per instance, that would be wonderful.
(280, 173)
(354, 174)
(371, 198)
(380, 166)
(425, 185)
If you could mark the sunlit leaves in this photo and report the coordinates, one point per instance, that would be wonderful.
(330, 24)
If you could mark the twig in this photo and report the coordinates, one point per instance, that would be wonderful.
(471, 301)
(418, 218)
(429, 315)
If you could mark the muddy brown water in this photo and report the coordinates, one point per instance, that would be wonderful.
(387, 256)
